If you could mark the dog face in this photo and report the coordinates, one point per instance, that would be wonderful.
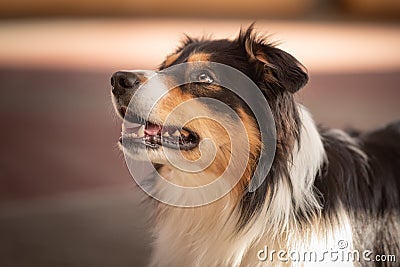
(158, 120)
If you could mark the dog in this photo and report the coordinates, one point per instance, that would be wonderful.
(326, 191)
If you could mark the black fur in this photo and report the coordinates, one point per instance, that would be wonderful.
(278, 75)
(362, 171)
(363, 174)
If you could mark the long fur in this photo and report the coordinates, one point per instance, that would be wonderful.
(325, 186)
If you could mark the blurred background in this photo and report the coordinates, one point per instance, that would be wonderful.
(66, 197)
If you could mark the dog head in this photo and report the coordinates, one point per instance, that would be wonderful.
(152, 103)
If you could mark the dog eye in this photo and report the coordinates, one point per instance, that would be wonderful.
(205, 77)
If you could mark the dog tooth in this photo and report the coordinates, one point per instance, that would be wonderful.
(166, 134)
(140, 133)
(133, 135)
(176, 133)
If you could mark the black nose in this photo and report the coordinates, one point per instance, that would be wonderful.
(124, 80)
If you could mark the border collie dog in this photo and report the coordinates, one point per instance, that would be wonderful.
(329, 198)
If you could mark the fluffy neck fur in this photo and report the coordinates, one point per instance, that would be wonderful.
(209, 235)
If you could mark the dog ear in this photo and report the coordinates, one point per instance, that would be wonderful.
(276, 65)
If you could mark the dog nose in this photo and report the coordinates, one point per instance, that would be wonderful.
(124, 80)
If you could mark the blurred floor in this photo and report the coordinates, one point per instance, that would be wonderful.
(98, 228)
(66, 198)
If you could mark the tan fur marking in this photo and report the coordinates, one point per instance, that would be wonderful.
(199, 57)
(171, 59)
(214, 130)
(253, 135)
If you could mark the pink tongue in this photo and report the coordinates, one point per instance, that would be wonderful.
(152, 129)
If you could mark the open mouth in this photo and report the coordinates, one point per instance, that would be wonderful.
(153, 136)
